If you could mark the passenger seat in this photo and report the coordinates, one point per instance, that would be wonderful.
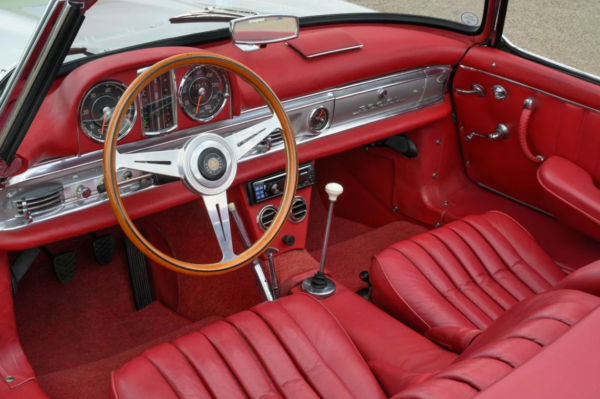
(468, 273)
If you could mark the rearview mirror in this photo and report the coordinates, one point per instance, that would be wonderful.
(264, 29)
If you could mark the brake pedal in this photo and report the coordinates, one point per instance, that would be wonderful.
(138, 273)
(63, 265)
(103, 248)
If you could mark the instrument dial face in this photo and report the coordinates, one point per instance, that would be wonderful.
(97, 107)
(203, 92)
(319, 119)
(158, 113)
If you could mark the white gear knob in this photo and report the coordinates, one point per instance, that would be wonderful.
(334, 190)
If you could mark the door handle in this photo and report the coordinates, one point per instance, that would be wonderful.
(501, 133)
(476, 89)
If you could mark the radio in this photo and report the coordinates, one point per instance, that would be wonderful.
(272, 186)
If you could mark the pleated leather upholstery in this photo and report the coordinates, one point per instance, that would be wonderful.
(465, 274)
(292, 348)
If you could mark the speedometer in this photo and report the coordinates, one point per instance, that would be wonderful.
(203, 92)
(96, 110)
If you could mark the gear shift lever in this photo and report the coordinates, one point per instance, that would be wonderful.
(319, 284)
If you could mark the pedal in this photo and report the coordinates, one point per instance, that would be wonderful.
(138, 273)
(63, 265)
(103, 248)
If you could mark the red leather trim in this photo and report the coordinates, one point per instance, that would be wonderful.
(586, 279)
(323, 41)
(12, 358)
(575, 191)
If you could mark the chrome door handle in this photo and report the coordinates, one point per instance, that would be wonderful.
(476, 89)
(501, 133)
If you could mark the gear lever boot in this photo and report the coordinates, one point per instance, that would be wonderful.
(319, 285)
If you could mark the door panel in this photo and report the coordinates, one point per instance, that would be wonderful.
(565, 122)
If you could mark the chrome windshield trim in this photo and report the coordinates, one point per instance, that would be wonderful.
(529, 87)
(550, 61)
(53, 8)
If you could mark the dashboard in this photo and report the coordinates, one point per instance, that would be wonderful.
(336, 95)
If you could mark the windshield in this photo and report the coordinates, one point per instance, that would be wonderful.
(115, 24)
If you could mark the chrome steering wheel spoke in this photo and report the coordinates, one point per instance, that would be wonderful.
(218, 212)
(157, 162)
(245, 140)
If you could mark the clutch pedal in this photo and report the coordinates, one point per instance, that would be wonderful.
(103, 248)
(63, 265)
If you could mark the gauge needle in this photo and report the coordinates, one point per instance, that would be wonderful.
(102, 130)
(199, 101)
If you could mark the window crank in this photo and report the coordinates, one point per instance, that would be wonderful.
(501, 133)
(476, 89)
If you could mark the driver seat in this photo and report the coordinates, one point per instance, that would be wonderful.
(296, 347)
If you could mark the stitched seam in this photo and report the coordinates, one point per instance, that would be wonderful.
(229, 368)
(200, 376)
(493, 275)
(474, 278)
(257, 359)
(456, 379)
(300, 369)
(387, 279)
(175, 391)
(497, 358)
(455, 289)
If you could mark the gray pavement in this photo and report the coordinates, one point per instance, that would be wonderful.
(564, 31)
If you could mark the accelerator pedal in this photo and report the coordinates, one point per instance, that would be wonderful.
(138, 273)
(63, 265)
(103, 248)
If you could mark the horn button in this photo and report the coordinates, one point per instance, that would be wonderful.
(212, 164)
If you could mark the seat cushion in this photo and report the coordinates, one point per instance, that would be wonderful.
(465, 274)
(292, 348)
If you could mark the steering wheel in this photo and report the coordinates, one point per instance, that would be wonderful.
(206, 164)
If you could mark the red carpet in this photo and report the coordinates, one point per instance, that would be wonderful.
(346, 259)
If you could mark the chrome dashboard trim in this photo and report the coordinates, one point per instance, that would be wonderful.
(87, 169)
(530, 88)
(339, 50)
(173, 82)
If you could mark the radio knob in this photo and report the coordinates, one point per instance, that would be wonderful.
(274, 189)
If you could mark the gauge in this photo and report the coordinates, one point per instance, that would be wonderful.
(319, 119)
(96, 110)
(157, 109)
(203, 92)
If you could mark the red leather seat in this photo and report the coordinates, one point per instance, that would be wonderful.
(468, 273)
(343, 347)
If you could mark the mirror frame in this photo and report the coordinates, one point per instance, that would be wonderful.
(234, 22)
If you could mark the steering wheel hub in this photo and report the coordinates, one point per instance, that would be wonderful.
(212, 164)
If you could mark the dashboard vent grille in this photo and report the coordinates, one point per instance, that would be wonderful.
(265, 217)
(276, 138)
(38, 200)
(299, 210)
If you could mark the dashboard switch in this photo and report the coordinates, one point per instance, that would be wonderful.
(84, 192)
(289, 240)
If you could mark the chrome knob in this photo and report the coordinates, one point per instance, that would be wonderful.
(84, 192)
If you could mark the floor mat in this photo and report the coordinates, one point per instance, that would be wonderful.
(345, 260)
(341, 229)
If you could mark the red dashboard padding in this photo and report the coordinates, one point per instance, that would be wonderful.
(574, 197)
(465, 274)
(323, 42)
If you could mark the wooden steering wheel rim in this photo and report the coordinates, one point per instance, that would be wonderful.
(109, 158)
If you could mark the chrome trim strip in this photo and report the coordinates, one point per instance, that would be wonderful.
(525, 204)
(558, 64)
(529, 87)
(339, 50)
(34, 42)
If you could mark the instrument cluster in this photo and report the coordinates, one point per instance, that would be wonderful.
(201, 95)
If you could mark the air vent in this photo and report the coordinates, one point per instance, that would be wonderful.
(37, 200)
(299, 210)
(275, 138)
(266, 216)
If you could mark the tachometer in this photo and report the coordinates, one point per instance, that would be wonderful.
(96, 110)
(203, 92)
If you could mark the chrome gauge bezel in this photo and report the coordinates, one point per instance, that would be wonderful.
(312, 114)
(79, 110)
(226, 92)
(174, 94)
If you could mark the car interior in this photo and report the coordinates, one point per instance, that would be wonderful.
(350, 206)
